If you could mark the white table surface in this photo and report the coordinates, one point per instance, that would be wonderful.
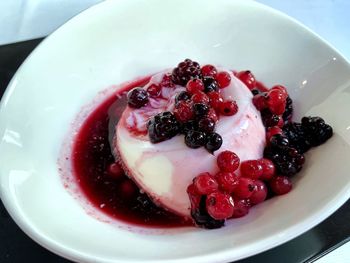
(28, 19)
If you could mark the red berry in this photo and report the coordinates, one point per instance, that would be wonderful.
(280, 123)
(268, 169)
(247, 78)
(215, 99)
(251, 169)
(209, 71)
(228, 161)
(183, 111)
(154, 90)
(241, 207)
(228, 108)
(259, 101)
(205, 184)
(224, 79)
(280, 185)
(276, 101)
(219, 205)
(167, 81)
(281, 88)
(212, 115)
(195, 198)
(194, 85)
(115, 171)
(271, 131)
(227, 181)
(244, 188)
(200, 97)
(128, 188)
(259, 193)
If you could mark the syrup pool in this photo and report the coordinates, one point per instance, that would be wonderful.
(116, 196)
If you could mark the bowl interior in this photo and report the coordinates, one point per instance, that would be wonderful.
(117, 41)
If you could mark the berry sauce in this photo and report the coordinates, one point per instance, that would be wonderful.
(116, 196)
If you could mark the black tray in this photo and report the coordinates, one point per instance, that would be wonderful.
(18, 247)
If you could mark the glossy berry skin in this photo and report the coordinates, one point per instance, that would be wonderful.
(154, 90)
(228, 108)
(251, 169)
(210, 84)
(202, 218)
(182, 96)
(206, 124)
(244, 188)
(214, 142)
(137, 98)
(280, 185)
(215, 99)
(259, 101)
(227, 181)
(205, 183)
(200, 97)
(163, 126)
(318, 131)
(259, 194)
(195, 139)
(219, 205)
(241, 207)
(269, 169)
(185, 71)
(247, 78)
(271, 131)
(115, 171)
(194, 85)
(212, 115)
(200, 109)
(183, 111)
(209, 71)
(228, 161)
(276, 101)
(224, 79)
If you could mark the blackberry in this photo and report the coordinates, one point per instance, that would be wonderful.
(269, 119)
(278, 140)
(137, 98)
(185, 71)
(214, 142)
(297, 136)
(163, 126)
(183, 95)
(287, 160)
(203, 219)
(287, 115)
(316, 128)
(195, 139)
(210, 84)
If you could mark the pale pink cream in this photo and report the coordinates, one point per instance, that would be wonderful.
(164, 170)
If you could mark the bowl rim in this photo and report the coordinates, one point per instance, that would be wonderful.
(60, 249)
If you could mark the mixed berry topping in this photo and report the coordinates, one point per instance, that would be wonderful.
(198, 106)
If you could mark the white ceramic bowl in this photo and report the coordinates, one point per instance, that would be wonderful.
(117, 41)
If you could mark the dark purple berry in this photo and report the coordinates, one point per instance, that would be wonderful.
(279, 140)
(163, 126)
(297, 136)
(189, 126)
(316, 128)
(255, 91)
(202, 218)
(210, 84)
(287, 115)
(214, 142)
(195, 139)
(200, 109)
(269, 119)
(206, 124)
(137, 98)
(183, 95)
(186, 71)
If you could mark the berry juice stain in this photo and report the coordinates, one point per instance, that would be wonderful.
(102, 181)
